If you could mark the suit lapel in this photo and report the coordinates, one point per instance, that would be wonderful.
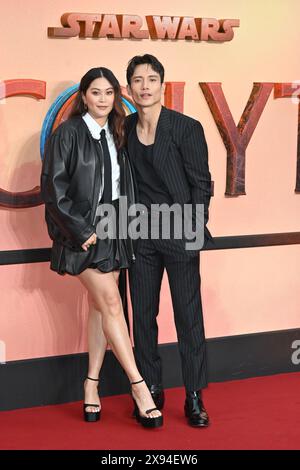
(130, 134)
(162, 139)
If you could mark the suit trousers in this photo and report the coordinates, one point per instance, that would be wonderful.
(152, 257)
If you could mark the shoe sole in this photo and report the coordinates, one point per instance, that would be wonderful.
(198, 425)
(92, 417)
(150, 422)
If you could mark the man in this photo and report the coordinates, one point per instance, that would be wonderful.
(168, 153)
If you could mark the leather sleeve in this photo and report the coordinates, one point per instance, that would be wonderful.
(193, 149)
(55, 182)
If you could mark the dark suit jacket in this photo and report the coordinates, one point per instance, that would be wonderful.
(180, 158)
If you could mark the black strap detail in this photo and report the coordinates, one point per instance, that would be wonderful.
(152, 409)
(138, 382)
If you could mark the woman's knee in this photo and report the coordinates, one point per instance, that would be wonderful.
(111, 303)
(104, 298)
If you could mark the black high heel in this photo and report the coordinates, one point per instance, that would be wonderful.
(149, 422)
(91, 416)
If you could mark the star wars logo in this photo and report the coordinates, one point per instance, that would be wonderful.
(89, 25)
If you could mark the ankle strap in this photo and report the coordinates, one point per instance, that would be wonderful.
(91, 378)
(138, 382)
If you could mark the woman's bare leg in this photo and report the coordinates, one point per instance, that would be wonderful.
(104, 291)
(97, 345)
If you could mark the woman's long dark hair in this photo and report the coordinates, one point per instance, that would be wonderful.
(116, 117)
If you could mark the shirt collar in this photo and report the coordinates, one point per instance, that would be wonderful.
(94, 127)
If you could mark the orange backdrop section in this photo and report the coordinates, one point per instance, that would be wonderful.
(243, 291)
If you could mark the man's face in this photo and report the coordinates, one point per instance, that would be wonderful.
(145, 88)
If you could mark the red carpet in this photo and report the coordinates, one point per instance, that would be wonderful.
(258, 413)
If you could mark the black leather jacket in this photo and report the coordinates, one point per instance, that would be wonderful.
(71, 181)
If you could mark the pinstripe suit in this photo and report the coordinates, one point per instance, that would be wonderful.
(180, 159)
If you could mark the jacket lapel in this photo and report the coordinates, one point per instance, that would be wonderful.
(131, 125)
(162, 139)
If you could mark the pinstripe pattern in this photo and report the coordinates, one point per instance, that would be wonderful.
(180, 158)
(184, 279)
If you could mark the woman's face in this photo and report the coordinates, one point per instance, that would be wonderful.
(99, 99)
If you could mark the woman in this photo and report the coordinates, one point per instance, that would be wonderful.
(84, 167)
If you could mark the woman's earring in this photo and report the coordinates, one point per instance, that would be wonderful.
(85, 107)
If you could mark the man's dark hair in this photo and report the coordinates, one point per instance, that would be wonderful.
(144, 59)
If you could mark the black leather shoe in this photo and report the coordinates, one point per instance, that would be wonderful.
(158, 395)
(194, 409)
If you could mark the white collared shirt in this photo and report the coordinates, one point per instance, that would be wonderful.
(95, 130)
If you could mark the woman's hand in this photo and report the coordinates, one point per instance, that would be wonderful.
(91, 241)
